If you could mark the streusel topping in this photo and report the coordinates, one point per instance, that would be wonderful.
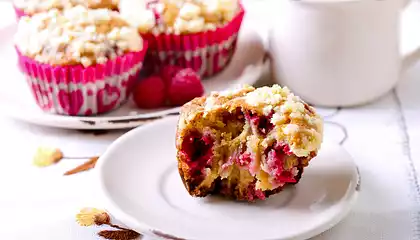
(295, 122)
(179, 16)
(36, 6)
(76, 36)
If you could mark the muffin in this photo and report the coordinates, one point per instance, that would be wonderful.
(31, 7)
(246, 144)
(79, 61)
(196, 34)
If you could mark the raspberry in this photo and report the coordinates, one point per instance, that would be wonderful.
(185, 86)
(168, 72)
(150, 93)
(244, 159)
(263, 124)
(198, 151)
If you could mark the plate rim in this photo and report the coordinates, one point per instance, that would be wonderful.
(114, 122)
(347, 203)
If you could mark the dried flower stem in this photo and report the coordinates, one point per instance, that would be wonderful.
(117, 227)
(78, 158)
(94, 216)
(84, 167)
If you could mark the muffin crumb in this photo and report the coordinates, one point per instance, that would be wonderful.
(179, 16)
(31, 7)
(76, 36)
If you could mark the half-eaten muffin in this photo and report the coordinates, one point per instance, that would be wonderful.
(246, 144)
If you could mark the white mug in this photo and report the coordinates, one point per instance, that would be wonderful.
(340, 53)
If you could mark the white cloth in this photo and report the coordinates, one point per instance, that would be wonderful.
(383, 138)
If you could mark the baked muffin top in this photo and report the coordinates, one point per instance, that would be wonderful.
(35, 6)
(178, 16)
(295, 122)
(76, 36)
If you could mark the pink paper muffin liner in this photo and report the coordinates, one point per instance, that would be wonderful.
(207, 53)
(79, 91)
(19, 13)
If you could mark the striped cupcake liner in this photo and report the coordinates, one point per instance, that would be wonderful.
(207, 53)
(80, 91)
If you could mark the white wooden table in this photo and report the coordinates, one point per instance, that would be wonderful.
(383, 137)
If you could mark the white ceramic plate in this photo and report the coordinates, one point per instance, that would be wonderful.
(16, 100)
(139, 179)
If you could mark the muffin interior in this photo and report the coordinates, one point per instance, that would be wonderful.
(225, 153)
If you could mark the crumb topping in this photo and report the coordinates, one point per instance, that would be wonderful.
(268, 95)
(178, 16)
(36, 6)
(76, 36)
(295, 122)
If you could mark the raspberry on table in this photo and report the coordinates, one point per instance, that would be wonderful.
(185, 86)
(150, 93)
(168, 72)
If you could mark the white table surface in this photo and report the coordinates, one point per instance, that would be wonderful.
(383, 137)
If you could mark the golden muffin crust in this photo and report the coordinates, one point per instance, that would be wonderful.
(76, 36)
(246, 143)
(179, 16)
(31, 7)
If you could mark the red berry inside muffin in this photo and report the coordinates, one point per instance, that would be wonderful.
(246, 144)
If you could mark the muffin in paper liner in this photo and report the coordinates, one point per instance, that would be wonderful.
(207, 53)
(79, 91)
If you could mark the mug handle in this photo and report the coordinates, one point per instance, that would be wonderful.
(410, 34)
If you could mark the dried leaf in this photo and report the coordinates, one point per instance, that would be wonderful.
(119, 234)
(84, 167)
(46, 156)
(90, 216)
